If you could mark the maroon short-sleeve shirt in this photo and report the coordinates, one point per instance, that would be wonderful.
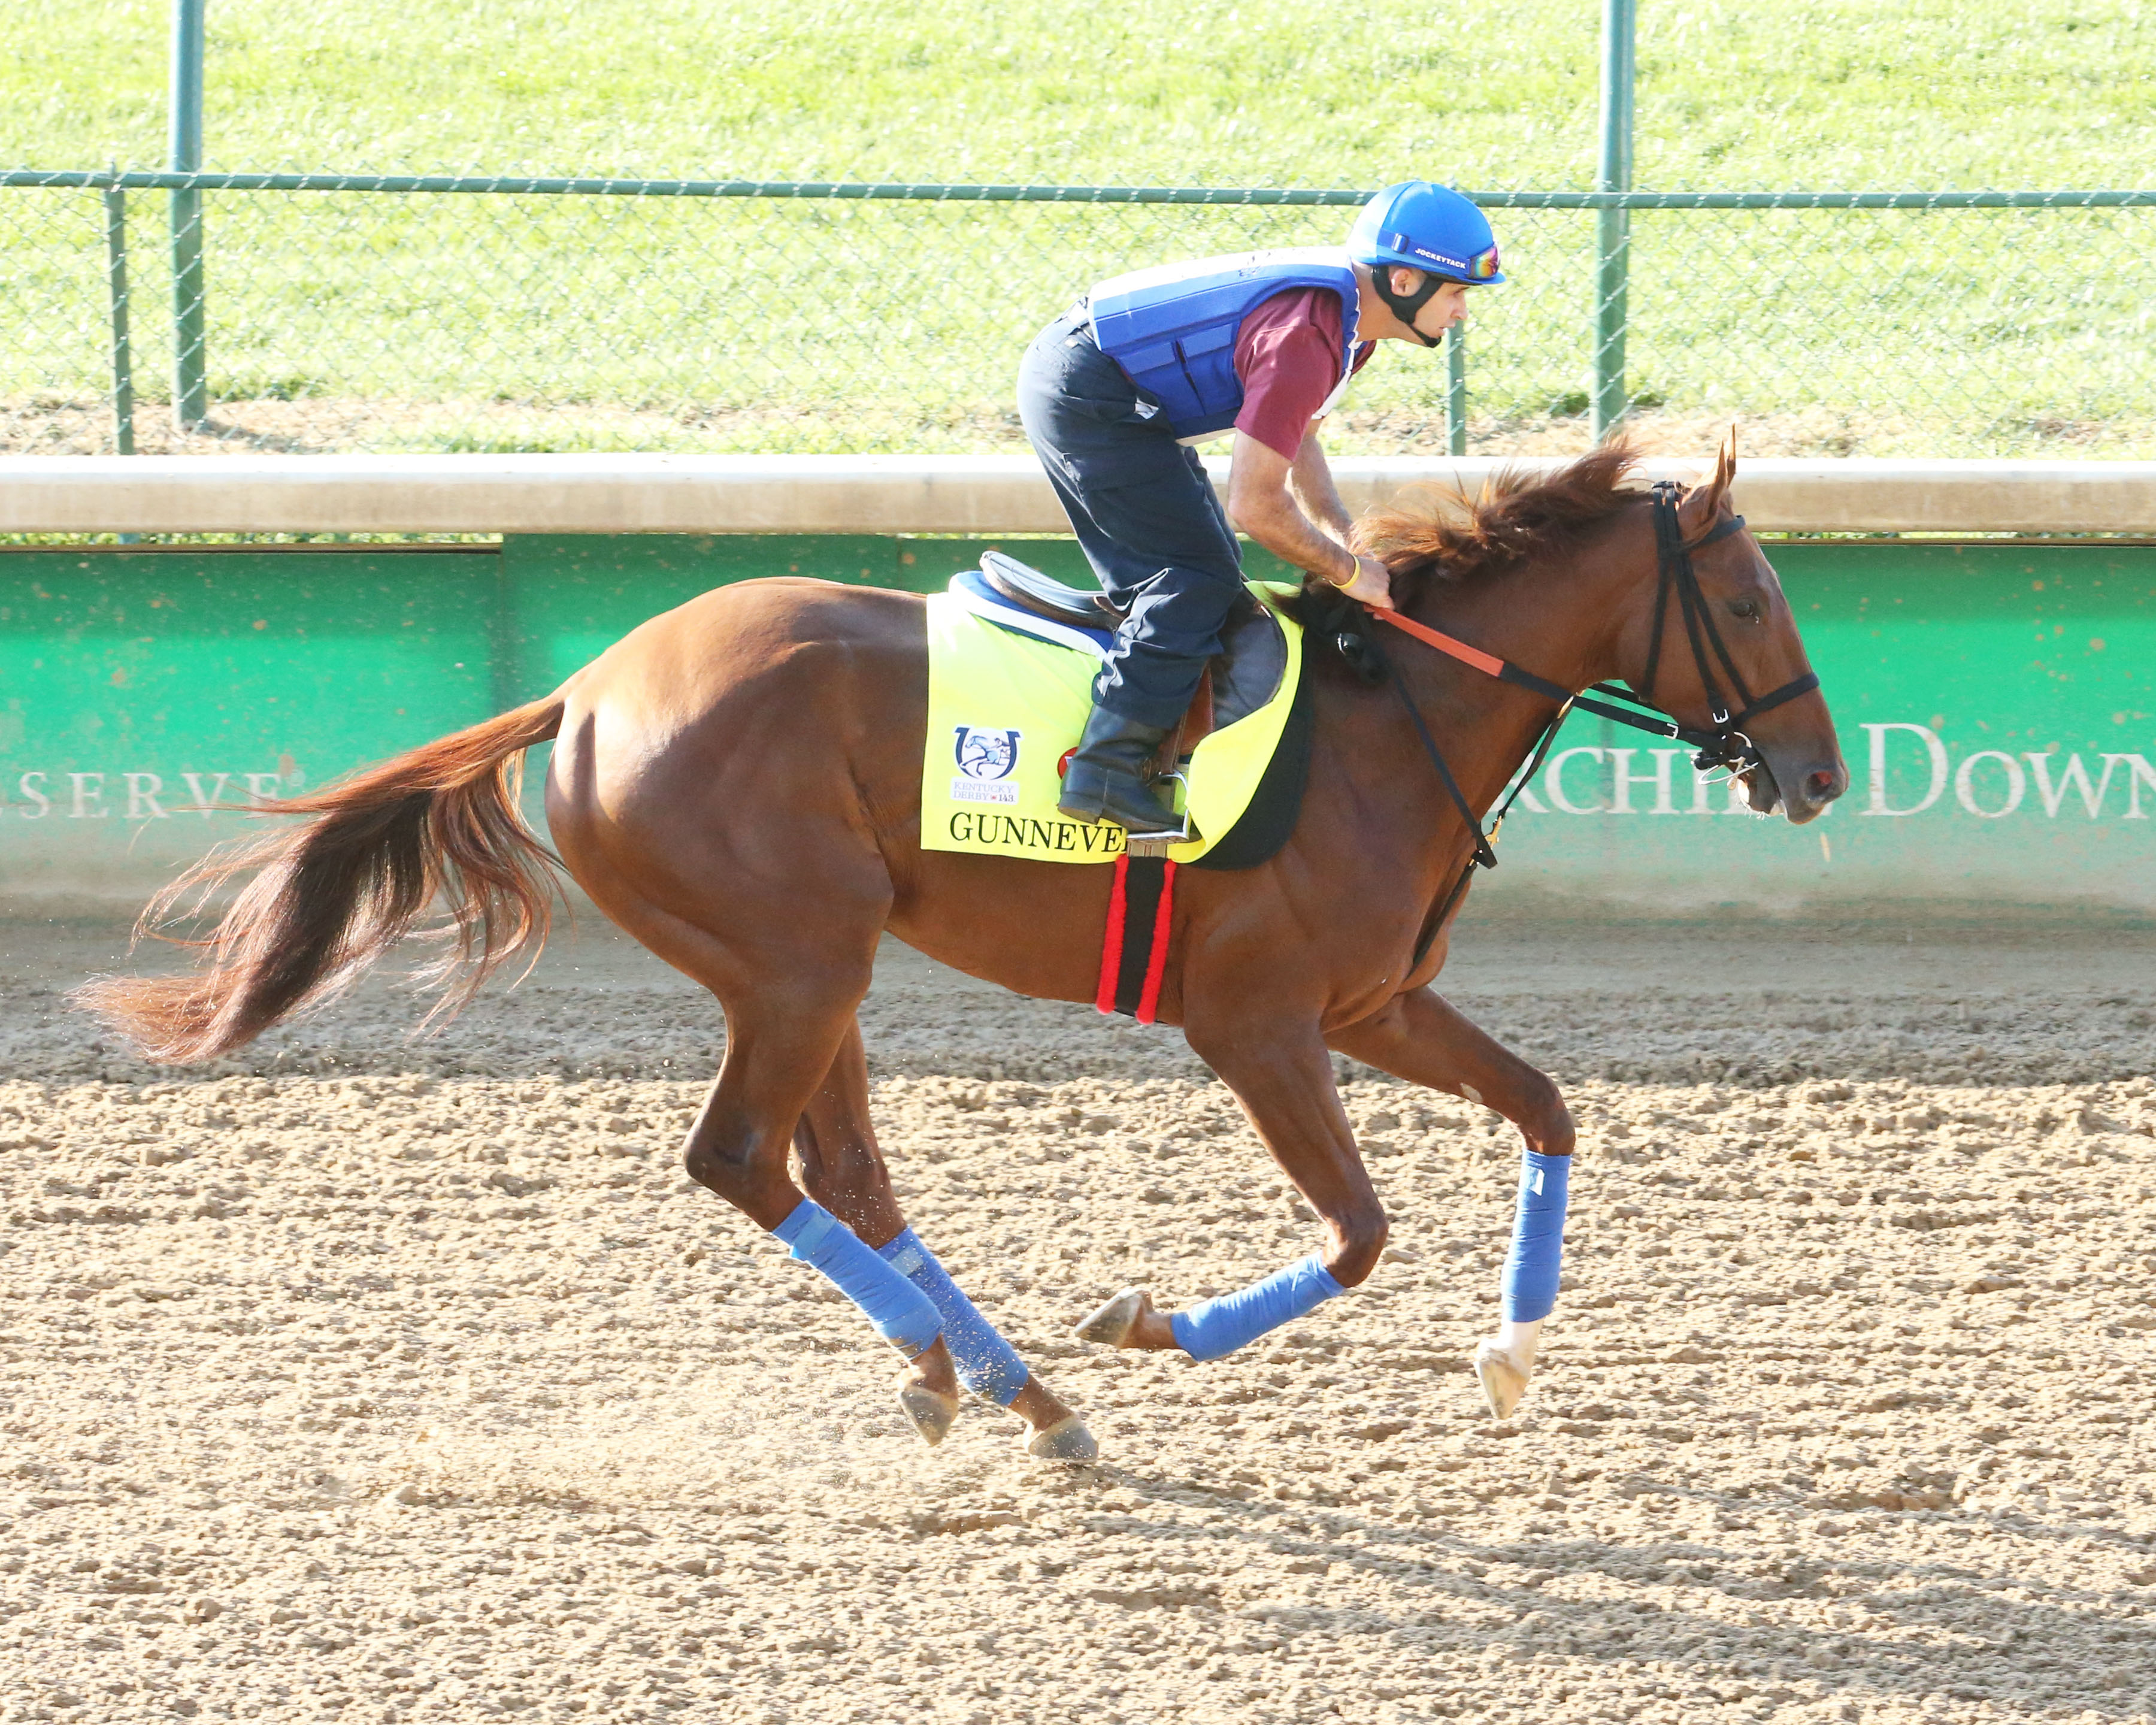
(1287, 356)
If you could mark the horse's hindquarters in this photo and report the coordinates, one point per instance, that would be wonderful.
(743, 765)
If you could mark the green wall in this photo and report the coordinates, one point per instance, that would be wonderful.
(1929, 655)
(124, 671)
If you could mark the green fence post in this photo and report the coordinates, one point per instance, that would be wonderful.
(1613, 227)
(1456, 390)
(115, 285)
(190, 357)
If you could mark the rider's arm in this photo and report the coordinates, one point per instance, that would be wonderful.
(1260, 505)
(1310, 478)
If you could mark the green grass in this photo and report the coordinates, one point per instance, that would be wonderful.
(348, 321)
(1751, 93)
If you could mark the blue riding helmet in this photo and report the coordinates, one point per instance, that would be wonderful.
(1428, 228)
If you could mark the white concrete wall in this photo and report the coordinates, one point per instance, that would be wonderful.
(939, 494)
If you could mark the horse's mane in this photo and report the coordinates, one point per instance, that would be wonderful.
(1438, 532)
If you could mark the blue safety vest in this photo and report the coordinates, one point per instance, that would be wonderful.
(1172, 329)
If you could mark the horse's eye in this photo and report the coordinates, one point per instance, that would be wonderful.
(1749, 610)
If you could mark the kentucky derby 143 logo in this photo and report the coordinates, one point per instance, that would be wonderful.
(987, 759)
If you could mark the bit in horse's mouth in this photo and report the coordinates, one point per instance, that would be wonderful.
(1761, 790)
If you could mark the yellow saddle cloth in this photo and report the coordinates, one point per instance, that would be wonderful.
(1004, 710)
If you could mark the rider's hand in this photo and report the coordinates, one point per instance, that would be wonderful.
(1372, 584)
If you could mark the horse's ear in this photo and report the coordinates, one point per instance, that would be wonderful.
(1710, 499)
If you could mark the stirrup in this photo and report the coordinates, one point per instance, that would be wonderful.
(1159, 843)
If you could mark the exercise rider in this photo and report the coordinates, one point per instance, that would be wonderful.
(1115, 392)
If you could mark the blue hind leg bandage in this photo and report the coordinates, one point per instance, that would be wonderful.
(988, 1365)
(1220, 1326)
(902, 1313)
(1531, 1269)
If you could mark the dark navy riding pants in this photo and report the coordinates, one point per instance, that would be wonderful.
(1145, 514)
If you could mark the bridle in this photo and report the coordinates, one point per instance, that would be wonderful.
(1726, 745)
(1673, 559)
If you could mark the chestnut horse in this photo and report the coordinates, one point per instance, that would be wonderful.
(736, 783)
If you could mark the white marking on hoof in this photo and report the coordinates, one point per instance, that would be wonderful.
(1520, 1341)
(1504, 1381)
(1066, 1441)
(1114, 1321)
(932, 1414)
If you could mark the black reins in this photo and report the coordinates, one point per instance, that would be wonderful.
(1726, 745)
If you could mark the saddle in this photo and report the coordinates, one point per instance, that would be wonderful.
(1044, 596)
(1012, 656)
(1236, 681)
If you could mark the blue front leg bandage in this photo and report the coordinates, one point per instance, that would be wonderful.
(988, 1365)
(1220, 1326)
(1531, 1271)
(902, 1313)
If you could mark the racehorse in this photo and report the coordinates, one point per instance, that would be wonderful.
(737, 784)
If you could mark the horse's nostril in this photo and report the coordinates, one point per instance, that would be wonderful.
(1822, 785)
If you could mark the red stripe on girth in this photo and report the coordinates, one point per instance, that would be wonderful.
(1112, 944)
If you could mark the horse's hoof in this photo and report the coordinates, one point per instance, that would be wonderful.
(1066, 1441)
(1504, 1384)
(1114, 1321)
(932, 1414)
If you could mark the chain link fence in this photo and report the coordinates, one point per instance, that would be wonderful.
(453, 315)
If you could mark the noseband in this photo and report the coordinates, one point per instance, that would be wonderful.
(1726, 745)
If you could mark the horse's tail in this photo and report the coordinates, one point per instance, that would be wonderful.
(331, 895)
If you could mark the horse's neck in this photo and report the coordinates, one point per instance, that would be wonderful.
(1554, 617)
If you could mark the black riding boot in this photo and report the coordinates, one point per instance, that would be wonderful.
(1103, 780)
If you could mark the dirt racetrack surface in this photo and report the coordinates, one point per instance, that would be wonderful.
(367, 1379)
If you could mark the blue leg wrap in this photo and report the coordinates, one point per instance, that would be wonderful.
(902, 1313)
(1220, 1326)
(988, 1365)
(1531, 1271)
